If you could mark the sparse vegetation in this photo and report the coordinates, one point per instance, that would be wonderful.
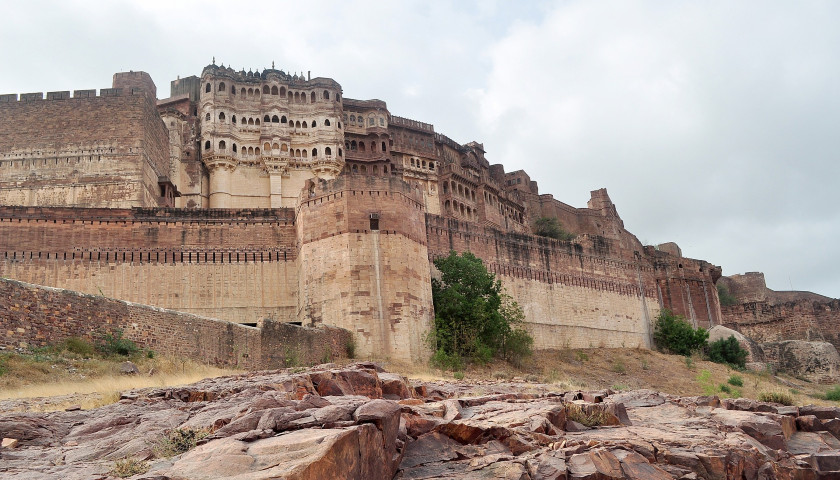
(673, 334)
(350, 347)
(79, 346)
(114, 344)
(736, 381)
(726, 298)
(474, 319)
(618, 367)
(178, 441)
(128, 467)
(833, 394)
(458, 375)
(582, 356)
(728, 351)
(550, 227)
(776, 397)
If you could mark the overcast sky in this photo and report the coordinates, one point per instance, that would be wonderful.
(712, 124)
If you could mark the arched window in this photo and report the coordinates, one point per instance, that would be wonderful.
(266, 119)
(361, 146)
(284, 148)
(251, 91)
(304, 153)
(384, 169)
(257, 121)
(314, 152)
(431, 165)
(250, 121)
(274, 90)
(222, 117)
(233, 118)
(384, 148)
(352, 119)
(328, 151)
(250, 150)
(314, 124)
(244, 120)
(353, 145)
(266, 90)
(283, 119)
(312, 98)
(222, 87)
(266, 147)
(363, 169)
(355, 169)
(207, 145)
(257, 92)
(424, 164)
(290, 96)
(337, 97)
(283, 91)
(381, 122)
(207, 117)
(326, 95)
(327, 122)
(233, 89)
(242, 91)
(375, 169)
(297, 97)
(297, 152)
(222, 145)
(371, 121)
(234, 148)
(276, 146)
(207, 88)
(297, 124)
(372, 146)
(257, 151)
(274, 119)
(412, 162)
(340, 153)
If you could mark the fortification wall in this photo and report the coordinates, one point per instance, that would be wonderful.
(87, 151)
(364, 264)
(235, 265)
(32, 315)
(797, 320)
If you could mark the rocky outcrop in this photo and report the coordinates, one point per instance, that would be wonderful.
(814, 361)
(359, 422)
(755, 353)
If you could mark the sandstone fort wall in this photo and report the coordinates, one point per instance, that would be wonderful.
(796, 320)
(33, 316)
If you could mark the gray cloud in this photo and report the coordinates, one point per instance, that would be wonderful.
(711, 124)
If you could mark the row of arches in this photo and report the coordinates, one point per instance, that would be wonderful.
(360, 120)
(296, 97)
(353, 145)
(458, 189)
(270, 119)
(418, 163)
(363, 169)
(460, 209)
(276, 149)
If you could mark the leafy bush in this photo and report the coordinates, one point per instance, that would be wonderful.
(674, 334)
(728, 351)
(473, 318)
(79, 346)
(178, 441)
(446, 361)
(458, 375)
(775, 397)
(550, 227)
(725, 388)
(736, 380)
(833, 394)
(726, 298)
(115, 344)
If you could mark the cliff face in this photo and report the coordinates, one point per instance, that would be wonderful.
(360, 422)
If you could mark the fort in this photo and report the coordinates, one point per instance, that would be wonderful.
(254, 197)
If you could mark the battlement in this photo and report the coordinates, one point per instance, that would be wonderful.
(65, 95)
(252, 76)
(443, 139)
(412, 124)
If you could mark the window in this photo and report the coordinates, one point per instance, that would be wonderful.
(371, 121)
(304, 124)
(314, 152)
(283, 119)
(222, 87)
(233, 89)
(274, 119)
(384, 148)
(222, 117)
(361, 146)
(340, 153)
(328, 151)
(327, 122)
(257, 121)
(314, 124)
(207, 117)
(242, 91)
(326, 95)
(207, 145)
(381, 122)
(266, 119)
(222, 145)
(312, 98)
(352, 118)
(234, 148)
(374, 222)
(274, 90)
(207, 88)
(233, 119)
(266, 90)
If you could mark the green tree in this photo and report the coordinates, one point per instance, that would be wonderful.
(726, 298)
(728, 351)
(550, 227)
(674, 334)
(474, 319)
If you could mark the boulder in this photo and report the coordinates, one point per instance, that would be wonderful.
(754, 351)
(129, 368)
(815, 361)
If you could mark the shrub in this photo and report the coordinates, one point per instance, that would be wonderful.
(590, 417)
(726, 298)
(672, 333)
(79, 346)
(736, 381)
(446, 361)
(728, 351)
(458, 375)
(725, 388)
(550, 227)
(350, 347)
(128, 467)
(618, 367)
(474, 319)
(582, 356)
(833, 394)
(115, 344)
(775, 397)
(178, 441)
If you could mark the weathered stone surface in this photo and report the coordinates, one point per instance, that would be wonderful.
(277, 425)
(816, 361)
(129, 368)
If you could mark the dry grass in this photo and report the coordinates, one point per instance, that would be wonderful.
(91, 382)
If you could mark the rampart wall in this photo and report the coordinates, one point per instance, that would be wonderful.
(86, 150)
(796, 320)
(33, 315)
(238, 265)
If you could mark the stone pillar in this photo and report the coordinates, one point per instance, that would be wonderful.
(276, 169)
(220, 169)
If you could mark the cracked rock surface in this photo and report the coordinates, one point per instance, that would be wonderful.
(359, 422)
